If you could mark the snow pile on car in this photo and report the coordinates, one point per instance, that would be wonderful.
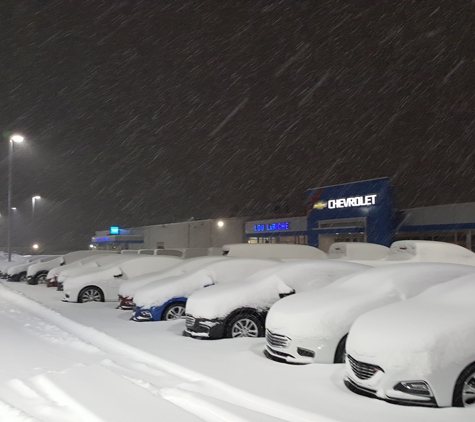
(222, 271)
(430, 251)
(262, 289)
(128, 288)
(423, 333)
(357, 251)
(330, 311)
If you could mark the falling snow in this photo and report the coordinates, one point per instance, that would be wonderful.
(148, 111)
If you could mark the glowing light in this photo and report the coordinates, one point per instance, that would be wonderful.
(220, 223)
(16, 138)
(35, 246)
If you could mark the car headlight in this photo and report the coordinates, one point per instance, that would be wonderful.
(416, 388)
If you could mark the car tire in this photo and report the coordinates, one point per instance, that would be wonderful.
(31, 281)
(41, 278)
(464, 390)
(175, 310)
(340, 352)
(22, 277)
(244, 325)
(90, 294)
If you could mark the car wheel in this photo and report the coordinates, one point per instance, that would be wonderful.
(340, 353)
(174, 311)
(90, 294)
(40, 279)
(245, 325)
(22, 277)
(464, 391)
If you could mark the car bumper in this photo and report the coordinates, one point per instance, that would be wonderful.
(282, 348)
(405, 401)
(398, 387)
(204, 328)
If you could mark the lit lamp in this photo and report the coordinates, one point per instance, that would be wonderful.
(33, 202)
(12, 139)
(220, 223)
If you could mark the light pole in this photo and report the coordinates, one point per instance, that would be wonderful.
(12, 140)
(33, 201)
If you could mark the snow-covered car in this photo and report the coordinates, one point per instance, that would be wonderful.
(347, 251)
(37, 273)
(239, 309)
(312, 328)
(128, 288)
(5, 264)
(88, 261)
(165, 299)
(102, 284)
(272, 251)
(57, 275)
(418, 352)
(18, 272)
(429, 251)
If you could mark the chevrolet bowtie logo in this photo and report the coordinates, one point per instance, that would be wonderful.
(320, 205)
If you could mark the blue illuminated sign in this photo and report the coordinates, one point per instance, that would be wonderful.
(114, 230)
(101, 239)
(272, 227)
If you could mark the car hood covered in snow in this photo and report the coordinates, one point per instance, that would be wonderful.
(128, 288)
(329, 312)
(222, 271)
(265, 287)
(421, 334)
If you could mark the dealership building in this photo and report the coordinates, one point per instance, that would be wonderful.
(361, 211)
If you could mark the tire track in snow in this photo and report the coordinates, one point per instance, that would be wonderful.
(197, 388)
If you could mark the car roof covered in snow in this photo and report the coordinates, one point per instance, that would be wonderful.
(272, 251)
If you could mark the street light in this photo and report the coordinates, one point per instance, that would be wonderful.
(33, 201)
(12, 140)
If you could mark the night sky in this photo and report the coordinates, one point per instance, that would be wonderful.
(152, 111)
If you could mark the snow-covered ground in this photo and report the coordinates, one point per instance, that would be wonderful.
(64, 362)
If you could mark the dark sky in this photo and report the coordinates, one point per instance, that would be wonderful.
(142, 112)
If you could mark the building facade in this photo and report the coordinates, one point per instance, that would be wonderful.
(361, 211)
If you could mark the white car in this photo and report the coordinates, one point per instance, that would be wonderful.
(272, 251)
(102, 284)
(313, 328)
(429, 251)
(128, 288)
(165, 299)
(239, 309)
(19, 271)
(5, 265)
(357, 251)
(37, 272)
(89, 261)
(418, 352)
